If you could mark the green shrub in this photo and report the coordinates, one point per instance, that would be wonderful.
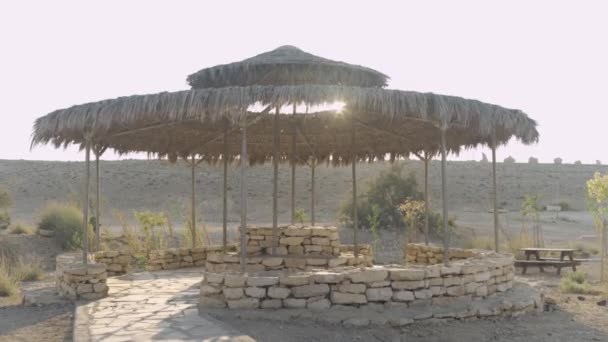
(300, 216)
(20, 228)
(8, 284)
(391, 188)
(5, 220)
(387, 192)
(149, 222)
(66, 221)
(28, 269)
(575, 282)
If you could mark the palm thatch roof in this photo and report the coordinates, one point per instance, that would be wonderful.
(386, 122)
(286, 65)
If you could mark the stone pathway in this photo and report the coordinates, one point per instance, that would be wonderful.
(158, 306)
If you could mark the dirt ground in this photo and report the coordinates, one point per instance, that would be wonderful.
(51, 323)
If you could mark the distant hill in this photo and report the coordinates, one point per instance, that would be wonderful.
(158, 185)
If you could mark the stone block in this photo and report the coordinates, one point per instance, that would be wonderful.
(306, 291)
(212, 302)
(368, 276)
(278, 292)
(255, 292)
(381, 294)
(407, 274)
(352, 288)
(328, 277)
(436, 282)
(214, 278)
(272, 262)
(481, 291)
(403, 296)
(457, 290)
(233, 292)
(100, 287)
(451, 281)
(319, 305)
(379, 284)
(295, 263)
(297, 231)
(207, 290)
(235, 280)
(347, 298)
(291, 241)
(298, 250)
(271, 304)
(294, 303)
(92, 295)
(244, 303)
(450, 270)
(408, 285)
(294, 280)
(423, 294)
(312, 249)
(322, 232)
(262, 281)
(84, 288)
(319, 241)
(482, 276)
(316, 261)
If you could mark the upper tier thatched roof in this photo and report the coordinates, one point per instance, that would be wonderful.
(390, 122)
(286, 65)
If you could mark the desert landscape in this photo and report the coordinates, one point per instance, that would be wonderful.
(133, 185)
(322, 171)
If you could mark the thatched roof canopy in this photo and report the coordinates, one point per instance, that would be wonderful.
(386, 122)
(286, 65)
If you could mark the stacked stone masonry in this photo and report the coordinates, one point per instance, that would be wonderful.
(75, 280)
(417, 253)
(477, 277)
(117, 262)
(299, 240)
(174, 258)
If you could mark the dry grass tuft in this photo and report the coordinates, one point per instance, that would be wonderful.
(22, 229)
(575, 282)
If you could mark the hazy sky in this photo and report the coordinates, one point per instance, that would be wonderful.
(547, 58)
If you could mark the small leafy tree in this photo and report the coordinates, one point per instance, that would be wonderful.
(530, 209)
(149, 221)
(533, 160)
(300, 216)
(373, 220)
(597, 201)
(557, 161)
(413, 215)
(5, 203)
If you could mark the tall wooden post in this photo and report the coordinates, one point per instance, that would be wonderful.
(225, 190)
(494, 195)
(275, 186)
(426, 198)
(85, 207)
(193, 204)
(293, 167)
(354, 175)
(97, 189)
(243, 260)
(313, 166)
(444, 195)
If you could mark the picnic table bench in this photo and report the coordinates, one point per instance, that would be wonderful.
(542, 262)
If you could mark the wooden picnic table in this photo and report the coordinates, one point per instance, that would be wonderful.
(544, 261)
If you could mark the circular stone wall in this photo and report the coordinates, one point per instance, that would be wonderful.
(478, 277)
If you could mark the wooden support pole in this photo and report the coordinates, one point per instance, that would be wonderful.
(275, 186)
(293, 167)
(354, 175)
(444, 195)
(193, 204)
(97, 187)
(426, 198)
(85, 206)
(313, 166)
(494, 197)
(243, 260)
(225, 190)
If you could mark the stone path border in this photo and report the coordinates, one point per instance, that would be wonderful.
(151, 306)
